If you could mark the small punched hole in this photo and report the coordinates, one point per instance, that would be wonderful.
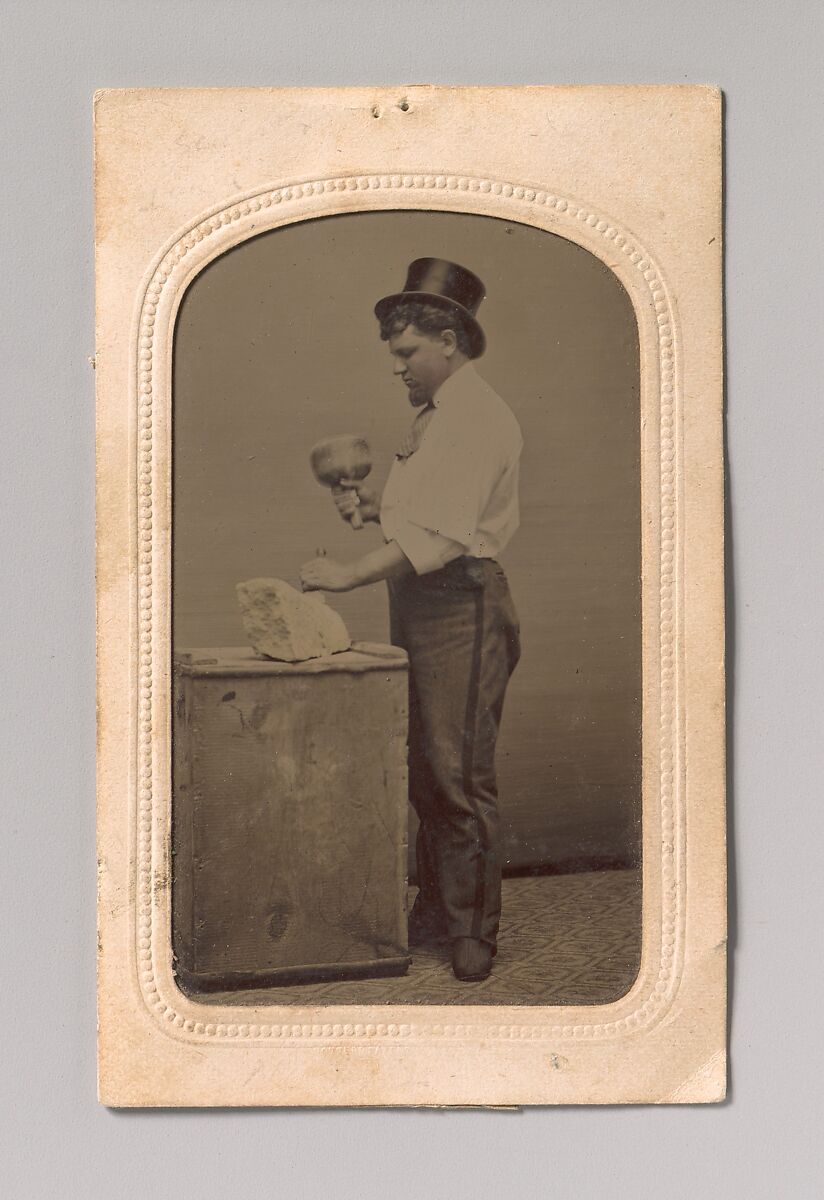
(404, 106)
(376, 112)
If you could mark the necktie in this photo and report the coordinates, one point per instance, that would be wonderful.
(415, 435)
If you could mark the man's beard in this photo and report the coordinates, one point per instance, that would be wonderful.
(418, 395)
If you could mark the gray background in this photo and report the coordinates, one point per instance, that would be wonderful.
(766, 1140)
(277, 346)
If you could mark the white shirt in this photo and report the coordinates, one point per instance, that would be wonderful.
(458, 493)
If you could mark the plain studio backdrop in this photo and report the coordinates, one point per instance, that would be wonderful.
(277, 347)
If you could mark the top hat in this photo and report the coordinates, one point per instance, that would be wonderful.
(446, 285)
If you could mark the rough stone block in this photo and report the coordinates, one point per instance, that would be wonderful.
(288, 625)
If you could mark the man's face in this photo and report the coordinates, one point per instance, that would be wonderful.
(422, 361)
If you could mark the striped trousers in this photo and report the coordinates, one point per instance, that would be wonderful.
(460, 630)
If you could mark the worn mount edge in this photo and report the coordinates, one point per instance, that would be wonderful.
(574, 219)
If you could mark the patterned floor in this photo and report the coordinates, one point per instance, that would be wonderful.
(564, 939)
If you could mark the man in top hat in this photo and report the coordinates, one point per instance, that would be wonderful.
(449, 507)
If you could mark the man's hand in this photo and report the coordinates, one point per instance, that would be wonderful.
(326, 575)
(351, 494)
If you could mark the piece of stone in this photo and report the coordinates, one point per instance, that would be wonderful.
(288, 625)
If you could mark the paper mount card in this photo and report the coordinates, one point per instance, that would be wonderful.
(625, 179)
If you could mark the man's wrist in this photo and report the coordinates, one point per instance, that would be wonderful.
(351, 577)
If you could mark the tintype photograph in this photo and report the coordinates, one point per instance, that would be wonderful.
(440, 645)
(410, 596)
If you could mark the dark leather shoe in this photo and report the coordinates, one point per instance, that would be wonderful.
(471, 959)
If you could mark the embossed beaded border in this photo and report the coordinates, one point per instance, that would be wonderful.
(174, 1012)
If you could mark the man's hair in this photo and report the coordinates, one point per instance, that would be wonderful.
(427, 319)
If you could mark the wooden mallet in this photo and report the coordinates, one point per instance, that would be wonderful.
(337, 458)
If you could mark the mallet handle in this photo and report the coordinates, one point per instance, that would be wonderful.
(356, 520)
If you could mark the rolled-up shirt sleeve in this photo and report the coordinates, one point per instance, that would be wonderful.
(427, 551)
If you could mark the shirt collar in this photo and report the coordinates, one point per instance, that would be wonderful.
(456, 384)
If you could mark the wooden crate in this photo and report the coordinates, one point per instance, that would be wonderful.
(289, 817)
